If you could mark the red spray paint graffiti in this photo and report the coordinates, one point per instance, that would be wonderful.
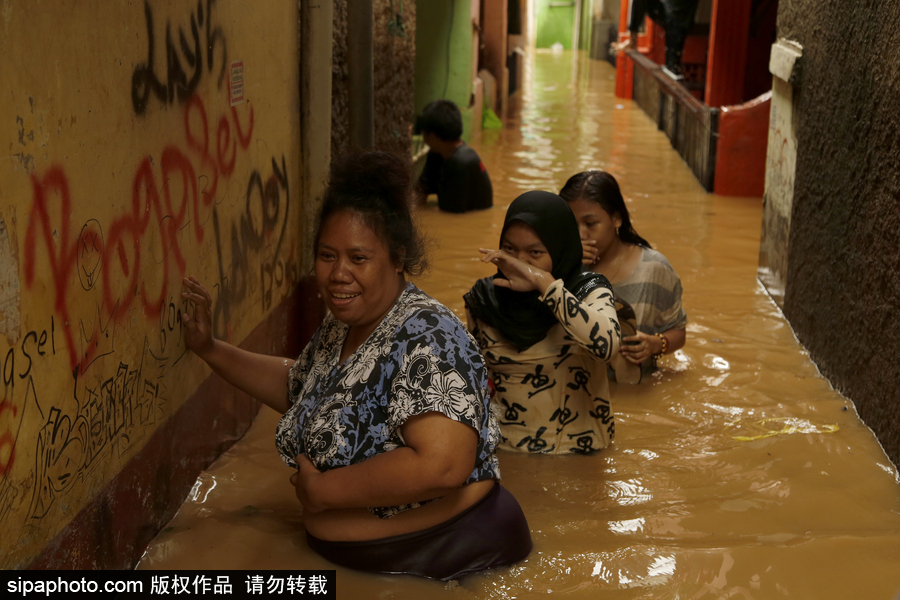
(121, 251)
(194, 111)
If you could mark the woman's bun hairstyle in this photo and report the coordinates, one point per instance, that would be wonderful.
(377, 185)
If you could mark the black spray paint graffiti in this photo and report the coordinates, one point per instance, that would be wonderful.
(34, 344)
(20, 365)
(170, 322)
(114, 412)
(178, 86)
(97, 336)
(250, 237)
(90, 254)
(112, 416)
(12, 426)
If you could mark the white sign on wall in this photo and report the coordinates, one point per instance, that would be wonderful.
(236, 81)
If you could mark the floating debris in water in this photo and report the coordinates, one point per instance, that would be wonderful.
(788, 425)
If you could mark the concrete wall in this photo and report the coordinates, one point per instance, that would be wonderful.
(604, 29)
(781, 168)
(128, 165)
(605, 10)
(842, 287)
(494, 50)
(394, 55)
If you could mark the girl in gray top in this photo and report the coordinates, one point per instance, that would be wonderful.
(641, 277)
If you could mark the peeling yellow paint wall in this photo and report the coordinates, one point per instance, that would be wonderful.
(141, 142)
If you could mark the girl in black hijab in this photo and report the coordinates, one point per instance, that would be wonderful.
(546, 328)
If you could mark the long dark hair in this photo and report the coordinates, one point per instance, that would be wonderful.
(602, 188)
(377, 186)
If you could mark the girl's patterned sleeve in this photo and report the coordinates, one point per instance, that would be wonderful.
(591, 322)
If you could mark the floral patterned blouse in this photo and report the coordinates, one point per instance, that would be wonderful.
(553, 397)
(419, 359)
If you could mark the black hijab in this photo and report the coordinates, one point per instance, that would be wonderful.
(521, 316)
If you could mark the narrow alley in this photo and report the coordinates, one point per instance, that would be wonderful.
(736, 472)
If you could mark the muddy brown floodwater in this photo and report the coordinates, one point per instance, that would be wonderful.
(736, 472)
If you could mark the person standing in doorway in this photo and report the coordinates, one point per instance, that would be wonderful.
(453, 170)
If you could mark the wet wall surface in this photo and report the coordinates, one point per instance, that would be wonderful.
(736, 472)
(843, 259)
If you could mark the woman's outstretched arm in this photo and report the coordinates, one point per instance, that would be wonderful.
(262, 376)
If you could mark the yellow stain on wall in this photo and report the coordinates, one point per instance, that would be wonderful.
(130, 162)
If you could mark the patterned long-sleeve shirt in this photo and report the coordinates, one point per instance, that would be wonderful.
(553, 397)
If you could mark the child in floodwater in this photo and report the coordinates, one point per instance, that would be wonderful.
(640, 276)
(546, 327)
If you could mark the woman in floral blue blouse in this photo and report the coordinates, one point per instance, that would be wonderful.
(386, 412)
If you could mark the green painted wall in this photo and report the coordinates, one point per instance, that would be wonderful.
(587, 21)
(554, 23)
(444, 54)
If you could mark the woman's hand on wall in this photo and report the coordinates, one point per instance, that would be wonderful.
(261, 376)
(198, 324)
(519, 275)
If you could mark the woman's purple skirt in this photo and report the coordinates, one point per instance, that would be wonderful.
(490, 533)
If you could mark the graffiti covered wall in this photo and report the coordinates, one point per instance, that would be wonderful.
(144, 142)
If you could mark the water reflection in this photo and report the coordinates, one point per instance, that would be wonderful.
(737, 472)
